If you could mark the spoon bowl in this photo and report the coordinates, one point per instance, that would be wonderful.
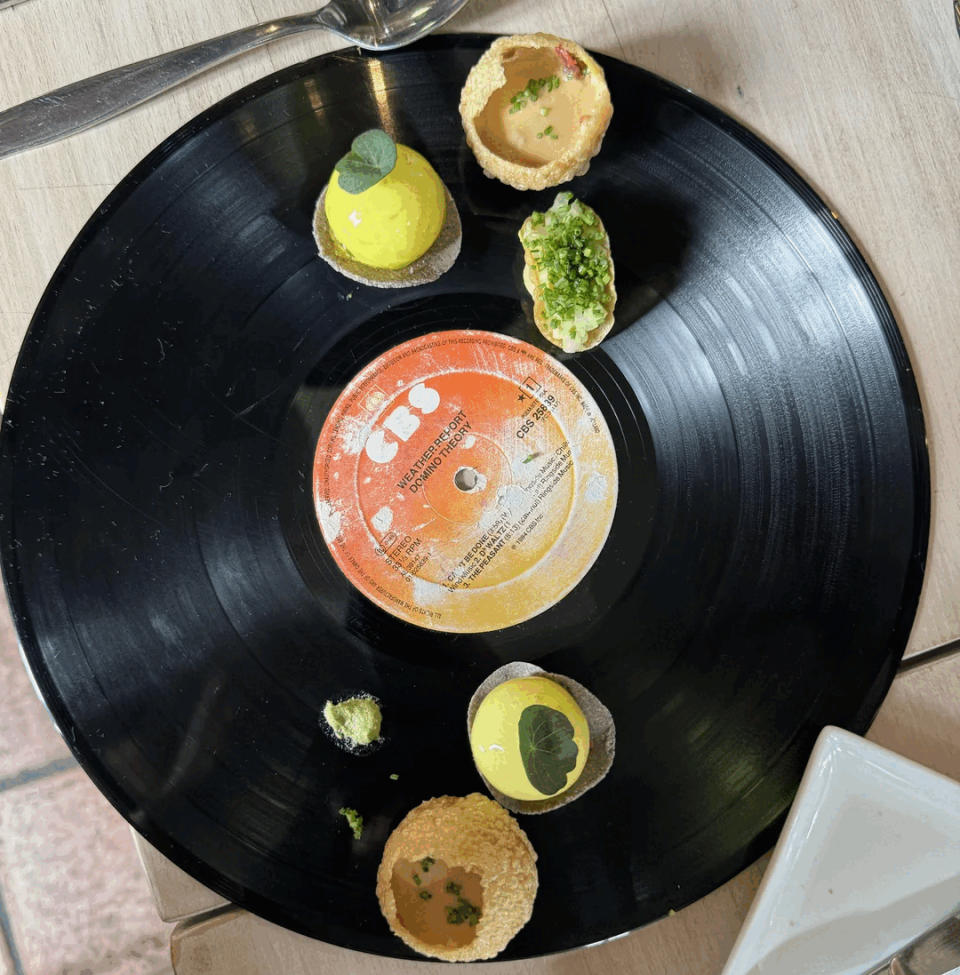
(382, 25)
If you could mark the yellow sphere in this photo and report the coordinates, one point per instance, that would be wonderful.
(393, 222)
(529, 738)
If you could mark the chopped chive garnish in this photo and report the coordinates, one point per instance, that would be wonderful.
(531, 92)
(425, 895)
(464, 911)
(416, 879)
(453, 888)
(426, 863)
(574, 267)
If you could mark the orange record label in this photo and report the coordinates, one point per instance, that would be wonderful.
(465, 481)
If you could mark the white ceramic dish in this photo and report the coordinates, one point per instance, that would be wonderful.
(868, 859)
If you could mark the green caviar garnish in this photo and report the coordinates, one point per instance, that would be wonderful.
(425, 895)
(532, 92)
(354, 820)
(567, 244)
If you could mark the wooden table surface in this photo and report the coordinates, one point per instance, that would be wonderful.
(862, 96)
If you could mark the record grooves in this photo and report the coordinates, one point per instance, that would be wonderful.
(186, 621)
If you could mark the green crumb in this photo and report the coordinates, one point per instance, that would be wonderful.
(394, 776)
(354, 820)
(425, 895)
(356, 720)
(671, 912)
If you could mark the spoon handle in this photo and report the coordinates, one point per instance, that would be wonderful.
(86, 103)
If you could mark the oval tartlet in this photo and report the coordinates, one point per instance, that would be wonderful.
(535, 108)
(536, 281)
(476, 840)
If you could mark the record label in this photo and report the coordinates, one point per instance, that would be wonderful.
(465, 481)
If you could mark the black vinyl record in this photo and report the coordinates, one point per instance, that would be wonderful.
(183, 616)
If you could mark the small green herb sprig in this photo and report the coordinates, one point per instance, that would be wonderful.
(372, 155)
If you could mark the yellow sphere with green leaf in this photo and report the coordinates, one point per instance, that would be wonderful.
(529, 739)
(384, 204)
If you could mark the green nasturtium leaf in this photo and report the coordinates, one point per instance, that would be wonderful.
(372, 155)
(547, 747)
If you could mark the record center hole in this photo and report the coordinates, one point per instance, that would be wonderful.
(466, 479)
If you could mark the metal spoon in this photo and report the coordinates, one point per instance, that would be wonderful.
(377, 25)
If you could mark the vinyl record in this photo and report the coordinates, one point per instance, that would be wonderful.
(186, 620)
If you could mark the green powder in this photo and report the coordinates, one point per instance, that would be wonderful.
(357, 719)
